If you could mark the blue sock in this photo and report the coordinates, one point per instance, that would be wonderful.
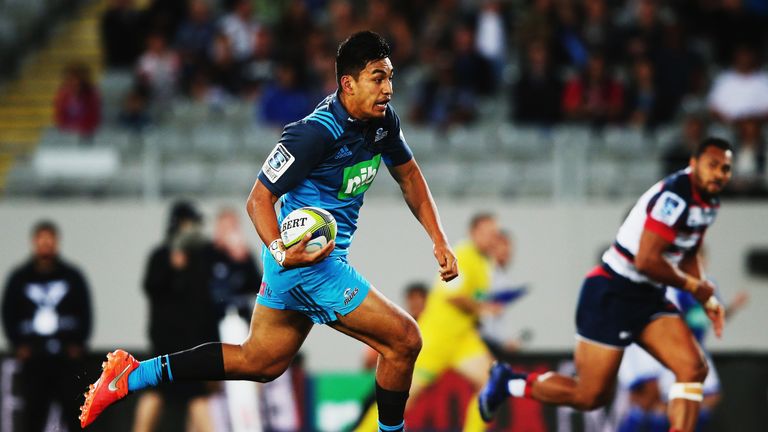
(397, 428)
(149, 374)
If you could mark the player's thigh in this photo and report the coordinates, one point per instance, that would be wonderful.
(380, 324)
(475, 369)
(597, 367)
(473, 360)
(275, 334)
(672, 343)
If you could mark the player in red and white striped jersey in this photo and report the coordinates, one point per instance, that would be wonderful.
(622, 301)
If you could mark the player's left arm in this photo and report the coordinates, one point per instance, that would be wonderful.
(419, 199)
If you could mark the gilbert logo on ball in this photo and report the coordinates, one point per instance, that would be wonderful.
(320, 223)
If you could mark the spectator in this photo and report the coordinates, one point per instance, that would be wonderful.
(491, 36)
(225, 72)
(47, 319)
(294, 29)
(536, 94)
(679, 151)
(134, 113)
(642, 97)
(285, 100)
(596, 29)
(742, 91)
(121, 34)
(241, 30)
(342, 20)
(473, 72)
(235, 279)
(537, 23)
(593, 97)
(194, 38)
(159, 68)
(750, 174)
(730, 25)
(678, 72)
(439, 100)
(642, 36)
(393, 27)
(177, 285)
(77, 107)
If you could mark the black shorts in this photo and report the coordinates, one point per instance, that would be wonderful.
(613, 310)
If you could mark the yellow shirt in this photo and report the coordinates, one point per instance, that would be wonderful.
(441, 318)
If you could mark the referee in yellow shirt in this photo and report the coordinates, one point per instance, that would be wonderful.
(449, 323)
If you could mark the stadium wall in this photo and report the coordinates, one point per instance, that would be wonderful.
(556, 244)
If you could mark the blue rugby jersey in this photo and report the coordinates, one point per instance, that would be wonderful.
(329, 159)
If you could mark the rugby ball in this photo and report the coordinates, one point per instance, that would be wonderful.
(305, 220)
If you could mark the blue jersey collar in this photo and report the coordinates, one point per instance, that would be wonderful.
(341, 114)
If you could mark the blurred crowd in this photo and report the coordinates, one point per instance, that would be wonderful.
(629, 63)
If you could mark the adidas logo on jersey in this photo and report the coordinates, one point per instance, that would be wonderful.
(342, 153)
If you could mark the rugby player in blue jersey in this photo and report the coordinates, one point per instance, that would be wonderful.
(622, 300)
(326, 160)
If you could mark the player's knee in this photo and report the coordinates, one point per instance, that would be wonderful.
(260, 368)
(695, 371)
(593, 400)
(409, 344)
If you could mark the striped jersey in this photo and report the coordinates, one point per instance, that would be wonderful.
(329, 159)
(673, 209)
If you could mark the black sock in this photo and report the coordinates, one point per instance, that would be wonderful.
(391, 408)
(201, 363)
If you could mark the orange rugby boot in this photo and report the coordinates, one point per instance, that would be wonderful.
(111, 386)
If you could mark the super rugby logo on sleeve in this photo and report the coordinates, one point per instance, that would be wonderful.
(668, 208)
(277, 163)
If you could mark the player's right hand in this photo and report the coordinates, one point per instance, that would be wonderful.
(704, 291)
(449, 268)
(297, 255)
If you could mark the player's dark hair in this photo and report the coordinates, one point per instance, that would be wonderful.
(479, 218)
(357, 51)
(712, 142)
(416, 288)
(45, 225)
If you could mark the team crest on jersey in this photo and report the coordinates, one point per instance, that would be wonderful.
(277, 163)
(668, 208)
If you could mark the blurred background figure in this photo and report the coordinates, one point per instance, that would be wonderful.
(593, 97)
(750, 172)
(159, 69)
(286, 99)
(235, 277)
(121, 28)
(47, 320)
(77, 107)
(502, 292)
(678, 152)
(450, 320)
(537, 93)
(181, 314)
(741, 91)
